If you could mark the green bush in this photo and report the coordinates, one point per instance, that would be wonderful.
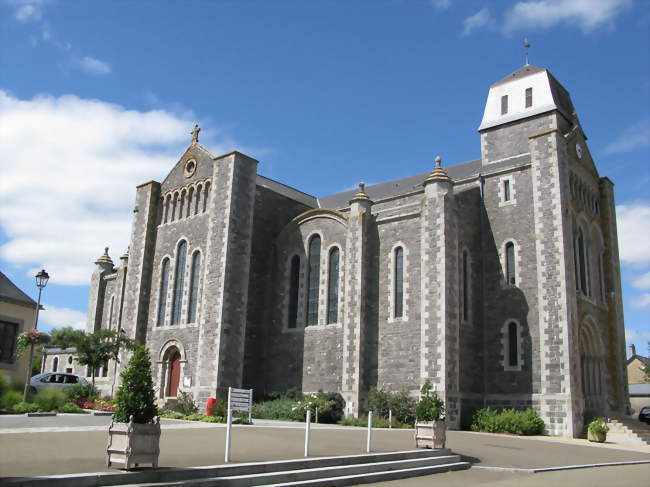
(9, 399)
(281, 408)
(25, 407)
(430, 407)
(50, 399)
(5, 385)
(136, 397)
(598, 426)
(195, 417)
(381, 401)
(172, 414)
(377, 422)
(213, 419)
(336, 406)
(70, 407)
(185, 404)
(81, 392)
(526, 422)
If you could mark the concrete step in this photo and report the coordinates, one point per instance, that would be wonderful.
(628, 429)
(299, 476)
(324, 467)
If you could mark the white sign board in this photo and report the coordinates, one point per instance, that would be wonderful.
(238, 400)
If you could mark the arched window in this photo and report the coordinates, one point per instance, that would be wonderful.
(166, 217)
(181, 205)
(179, 282)
(162, 295)
(197, 203)
(194, 287)
(190, 198)
(207, 196)
(313, 280)
(465, 271)
(398, 284)
(511, 271)
(294, 281)
(110, 313)
(581, 262)
(55, 364)
(333, 287)
(174, 206)
(513, 344)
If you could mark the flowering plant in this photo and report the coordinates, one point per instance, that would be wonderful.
(32, 337)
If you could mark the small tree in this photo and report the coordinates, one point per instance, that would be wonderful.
(136, 397)
(66, 337)
(96, 349)
(430, 407)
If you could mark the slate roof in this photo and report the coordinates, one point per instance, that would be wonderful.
(522, 72)
(9, 292)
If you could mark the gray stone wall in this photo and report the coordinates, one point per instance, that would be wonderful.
(511, 139)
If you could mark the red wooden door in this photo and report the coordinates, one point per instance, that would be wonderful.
(174, 375)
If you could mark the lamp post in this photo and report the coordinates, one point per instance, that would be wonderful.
(41, 281)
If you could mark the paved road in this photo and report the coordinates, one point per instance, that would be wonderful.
(26, 453)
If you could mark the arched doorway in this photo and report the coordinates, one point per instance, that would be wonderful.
(592, 361)
(174, 373)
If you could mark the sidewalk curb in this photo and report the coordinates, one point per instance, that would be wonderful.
(564, 467)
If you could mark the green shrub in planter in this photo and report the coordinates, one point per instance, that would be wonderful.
(25, 407)
(597, 430)
(50, 399)
(430, 407)
(136, 397)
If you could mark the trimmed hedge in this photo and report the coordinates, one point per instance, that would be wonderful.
(525, 423)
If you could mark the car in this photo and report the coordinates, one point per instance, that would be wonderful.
(55, 380)
(644, 414)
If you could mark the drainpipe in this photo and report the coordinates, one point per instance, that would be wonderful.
(481, 181)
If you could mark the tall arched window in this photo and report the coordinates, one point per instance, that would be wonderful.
(162, 295)
(179, 282)
(333, 287)
(206, 196)
(194, 287)
(513, 344)
(581, 262)
(398, 285)
(55, 364)
(174, 207)
(190, 200)
(167, 202)
(294, 281)
(313, 279)
(465, 271)
(511, 271)
(197, 202)
(181, 205)
(110, 313)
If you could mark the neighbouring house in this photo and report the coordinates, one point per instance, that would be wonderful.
(639, 387)
(17, 314)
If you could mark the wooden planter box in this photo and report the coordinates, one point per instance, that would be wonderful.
(430, 434)
(596, 437)
(131, 444)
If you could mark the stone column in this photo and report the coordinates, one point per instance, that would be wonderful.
(354, 321)
(439, 330)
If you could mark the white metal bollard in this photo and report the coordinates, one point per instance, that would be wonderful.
(390, 419)
(369, 442)
(307, 428)
(228, 429)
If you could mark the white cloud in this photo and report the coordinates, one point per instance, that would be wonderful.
(642, 282)
(55, 317)
(69, 167)
(479, 20)
(634, 233)
(94, 66)
(637, 337)
(641, 301)
(28, 12)
(441, 4)
(633, 137)
(543, 14)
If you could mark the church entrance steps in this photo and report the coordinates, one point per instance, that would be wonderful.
(624, 429)
(324, 471)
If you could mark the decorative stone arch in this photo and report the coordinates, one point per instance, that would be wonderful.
(391, 283)
(171, 366)
(504, 266)
(310, 215)
(325, 263)
(513, 340)
(593, 368)
(206, 196)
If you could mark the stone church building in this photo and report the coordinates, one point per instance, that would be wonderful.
(497, 278)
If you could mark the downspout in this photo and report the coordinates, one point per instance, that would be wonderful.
(481, 181)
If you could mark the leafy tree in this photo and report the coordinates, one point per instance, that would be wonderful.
(646, 369)
(96, 349)
(66, 337)
(136, 397)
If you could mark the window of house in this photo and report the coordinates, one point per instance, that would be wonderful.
(162, 297)
(313, 280)
(511, 274)
(8, 336)
(294, 281)
(399, 282)
(179, 282)
(513, 345)
(55, 364)
(333, 287)
(529, 97)
(194, 287)
(504, 104)
(506, 190)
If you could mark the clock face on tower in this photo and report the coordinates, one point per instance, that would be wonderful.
(579, 151)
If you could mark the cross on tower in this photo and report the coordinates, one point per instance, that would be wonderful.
(195, 134)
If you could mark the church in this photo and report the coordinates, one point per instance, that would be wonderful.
(498, 278)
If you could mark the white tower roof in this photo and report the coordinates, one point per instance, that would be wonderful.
(546, 94)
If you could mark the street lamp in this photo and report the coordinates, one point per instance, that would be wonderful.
(41, 281)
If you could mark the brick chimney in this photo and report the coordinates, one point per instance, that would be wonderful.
(632, 350)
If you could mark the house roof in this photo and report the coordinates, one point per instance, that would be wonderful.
(644, 360)
(639, 389)
(9, 292)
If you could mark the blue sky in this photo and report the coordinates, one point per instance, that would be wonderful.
(96, 97)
